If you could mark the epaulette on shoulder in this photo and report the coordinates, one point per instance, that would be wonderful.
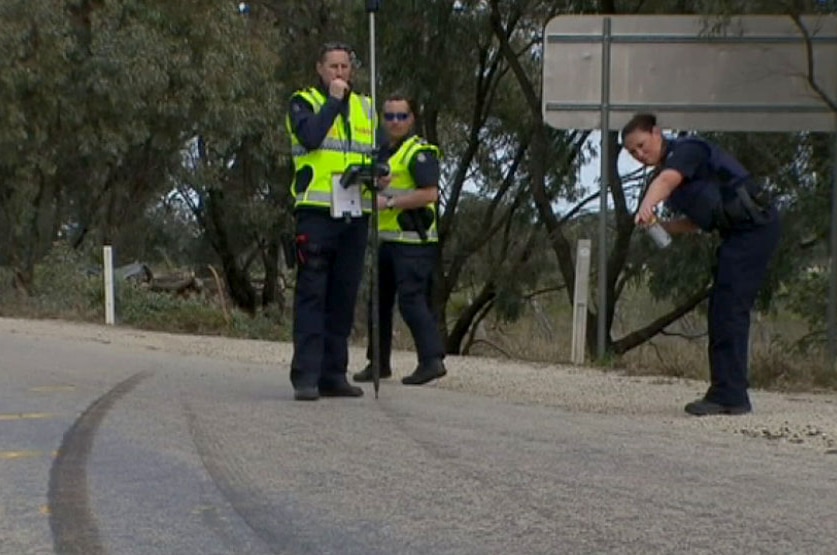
(688, 139)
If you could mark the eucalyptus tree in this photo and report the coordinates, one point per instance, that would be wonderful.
(802, 170)
(100, 101)
(444, 54)
(37, 114)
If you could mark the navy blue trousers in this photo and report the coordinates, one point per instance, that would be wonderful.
(329, 270)
(407, 271)
(743, 257)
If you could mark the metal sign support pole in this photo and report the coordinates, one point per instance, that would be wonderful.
(831, 329)
(604, 188)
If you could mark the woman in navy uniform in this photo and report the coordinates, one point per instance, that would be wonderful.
(713, 191)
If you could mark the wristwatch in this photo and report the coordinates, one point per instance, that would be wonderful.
(390, 203)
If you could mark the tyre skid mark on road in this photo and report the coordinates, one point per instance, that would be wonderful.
(71, 519)
(282, 526)
(453, 463)
(238, 488)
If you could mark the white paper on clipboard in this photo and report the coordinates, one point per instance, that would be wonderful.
(345, 201)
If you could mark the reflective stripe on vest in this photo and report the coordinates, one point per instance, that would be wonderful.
(334, 146)
(402, 183)
(336, 153)
(317, 198)
(408, 236)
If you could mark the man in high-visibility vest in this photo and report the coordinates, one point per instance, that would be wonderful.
(409, 241)
(331, 128)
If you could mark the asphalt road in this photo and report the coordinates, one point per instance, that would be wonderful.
(107, 449)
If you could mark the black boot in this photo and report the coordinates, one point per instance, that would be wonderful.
(704, 407)
(425, 372)
(306, 393)
(344, 389)
(365, 375)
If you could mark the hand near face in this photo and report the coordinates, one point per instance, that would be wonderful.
(338, 88)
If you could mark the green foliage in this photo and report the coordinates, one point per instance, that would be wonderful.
(509, 302)
(268, 324)
(67, 285)
(138, 307)
(679, 270)
(807, 296)
(98, 101)
(144, 309)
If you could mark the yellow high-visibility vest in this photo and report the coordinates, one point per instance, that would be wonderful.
(389, 228)
(337, 151)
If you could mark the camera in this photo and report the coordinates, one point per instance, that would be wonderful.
(363, 173)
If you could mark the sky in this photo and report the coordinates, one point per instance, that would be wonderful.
(591, 171)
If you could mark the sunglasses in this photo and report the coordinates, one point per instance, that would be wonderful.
(396, 116)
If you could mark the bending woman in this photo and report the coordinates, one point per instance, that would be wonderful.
(713, 191)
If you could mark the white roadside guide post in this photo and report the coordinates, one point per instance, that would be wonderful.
(582, 288)
(108, 263)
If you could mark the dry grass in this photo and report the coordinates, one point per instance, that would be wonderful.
(543, 334)
(775, 360)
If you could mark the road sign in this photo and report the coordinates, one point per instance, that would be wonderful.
(751, 74)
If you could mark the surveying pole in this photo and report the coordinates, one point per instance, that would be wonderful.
(372, 7)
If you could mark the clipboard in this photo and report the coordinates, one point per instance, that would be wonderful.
(345, 201)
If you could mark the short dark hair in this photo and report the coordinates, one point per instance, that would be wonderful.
(327, 47)
(641, 122)
(396, 96)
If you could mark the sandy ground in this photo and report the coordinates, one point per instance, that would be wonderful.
(806, 420)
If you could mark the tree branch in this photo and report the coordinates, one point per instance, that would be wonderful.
(475, 326)
(640, 336)
(811, 74)
(684, 335)
(490, 344)
(487, 74)
(537, 292)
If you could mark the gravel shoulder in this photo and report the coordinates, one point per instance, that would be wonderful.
(808, 420)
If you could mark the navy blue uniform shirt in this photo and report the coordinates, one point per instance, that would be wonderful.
(690, 159)
(691, 197)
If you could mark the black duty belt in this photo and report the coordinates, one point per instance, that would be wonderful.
(750, 205)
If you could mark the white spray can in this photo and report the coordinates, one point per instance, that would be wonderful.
(659, 235)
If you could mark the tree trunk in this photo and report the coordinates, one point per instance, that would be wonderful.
(238, 281)
(638, 337)
(459, 332)
(271, 295)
